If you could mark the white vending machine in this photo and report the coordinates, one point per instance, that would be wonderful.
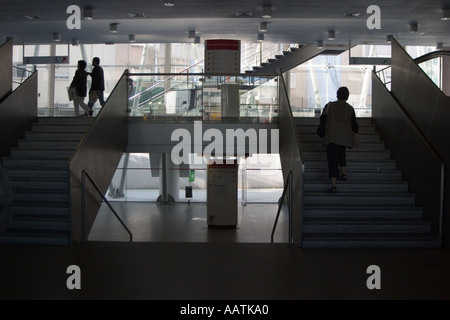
(222, 194)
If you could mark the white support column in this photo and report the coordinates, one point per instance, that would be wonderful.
(51, 83)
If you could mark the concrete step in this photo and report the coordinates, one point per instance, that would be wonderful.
(360, 198)
(59, 128)
(354, 164)
(370, 175)
(363, 138)
(355, 155)
(66, 120)
(315, 121)
(365, 225)
(35, 185)
(357, 186)
(412, 241)
(47, 211)
(358, 211)
(54, 136)
(35, 225)
(27, 173)
(45, 154)
(45, 145)
(60, 199)
(307, 146)
(26, 237)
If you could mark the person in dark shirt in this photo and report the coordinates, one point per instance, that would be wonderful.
(341, 132)
(79, 82)
(97, 85)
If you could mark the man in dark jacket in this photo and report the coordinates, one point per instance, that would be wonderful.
(97, 85)
(79, 82)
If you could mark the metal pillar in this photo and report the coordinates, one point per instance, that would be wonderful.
(169, 180)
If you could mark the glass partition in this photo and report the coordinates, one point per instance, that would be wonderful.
(204, 96)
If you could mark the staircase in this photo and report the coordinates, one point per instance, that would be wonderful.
(372, 209)
(38, 170)
(293, 57)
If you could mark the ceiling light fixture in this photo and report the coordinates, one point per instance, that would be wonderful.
(56, 37)
(413, 27)
(113, 27)
(191, 34)
(136, 15)
(75, 42)
(389, 38)
(87, 13)
(131, 38)
(439, 46)
(319, 44)
(262, 26)
(248, 14)
(197, 40)
(260, 37)
(33, 17)
(169, 3)
(331, 35)
(445, 14)
(267, 12)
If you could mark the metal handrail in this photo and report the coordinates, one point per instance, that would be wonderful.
(84, 174)
(287, 187)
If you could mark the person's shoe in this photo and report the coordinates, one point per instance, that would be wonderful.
(333, 190)
(344, 177)
(91, 113)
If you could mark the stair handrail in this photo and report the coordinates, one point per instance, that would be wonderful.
(287, 188)
(85, 175)
(431, 55)
(433, 150)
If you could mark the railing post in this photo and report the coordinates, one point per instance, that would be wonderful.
(83, 205)
(290, 207)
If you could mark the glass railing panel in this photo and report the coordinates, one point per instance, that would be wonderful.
(202, 96)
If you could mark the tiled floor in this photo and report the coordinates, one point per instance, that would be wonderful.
(186, 222)
(175, 256)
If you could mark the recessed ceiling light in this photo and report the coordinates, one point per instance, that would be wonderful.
(113, 27)
(263, 26)
(413, 27)
(56, 37)
(267, 11)
(33, 17)
(169, 3)
(87, 13)
(331, 35)
(247, 14)
(351, 15)
(137, 15)
(445, 14)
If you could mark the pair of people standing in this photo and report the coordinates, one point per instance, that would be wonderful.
(80, 83)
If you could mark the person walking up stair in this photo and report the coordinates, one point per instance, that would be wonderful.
(341, 132)
(97, 85)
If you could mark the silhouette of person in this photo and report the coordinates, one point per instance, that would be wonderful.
(79, 82)
(97, 85)
(342, 131)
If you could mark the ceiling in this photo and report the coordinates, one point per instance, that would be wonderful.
(292, 21)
